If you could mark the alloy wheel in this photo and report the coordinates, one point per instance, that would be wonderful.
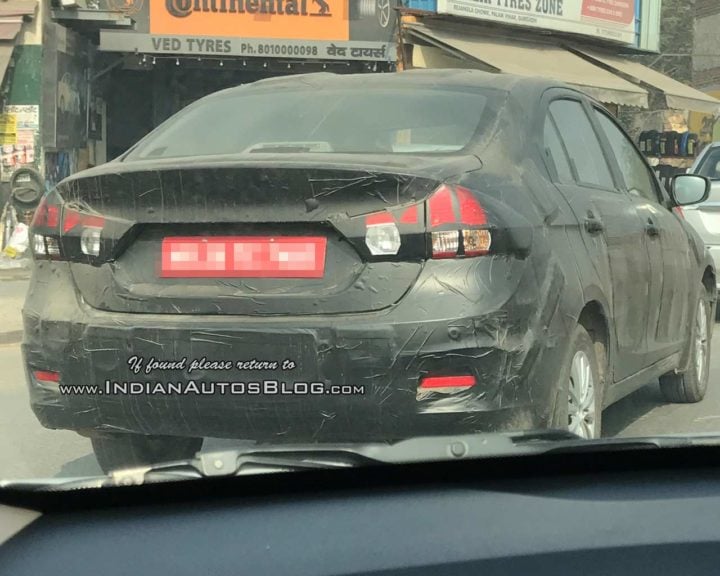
(701, 341)
(581, 399)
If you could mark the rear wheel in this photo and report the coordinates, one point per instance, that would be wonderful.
(116, 451)
(691, 385)
(580, 400)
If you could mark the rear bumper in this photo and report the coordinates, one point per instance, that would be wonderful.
(381, 355)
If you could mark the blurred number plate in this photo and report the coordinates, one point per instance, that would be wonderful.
(243, 257)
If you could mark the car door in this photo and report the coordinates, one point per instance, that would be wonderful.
(671, 279)
(613, 249)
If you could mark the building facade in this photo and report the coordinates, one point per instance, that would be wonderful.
(706, 63)
(115, 69)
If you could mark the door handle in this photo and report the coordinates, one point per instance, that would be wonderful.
(593, 225)
(651, 229)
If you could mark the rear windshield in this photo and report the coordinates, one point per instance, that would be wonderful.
(397, 121)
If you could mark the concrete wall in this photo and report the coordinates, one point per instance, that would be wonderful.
(706, 53)
(31, 32)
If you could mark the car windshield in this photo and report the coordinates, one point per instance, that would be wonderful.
(322, 120)
(270, 235)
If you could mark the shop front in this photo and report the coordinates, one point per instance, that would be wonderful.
(151, 59)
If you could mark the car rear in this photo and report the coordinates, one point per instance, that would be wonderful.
(313, 286)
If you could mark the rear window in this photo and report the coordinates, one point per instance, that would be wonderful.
(324, 120)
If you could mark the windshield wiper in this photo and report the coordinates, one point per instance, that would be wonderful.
(284, 458)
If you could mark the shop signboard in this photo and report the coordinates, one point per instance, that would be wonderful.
(8, 128)
(613, 20)
(23, 122)
(286, 29)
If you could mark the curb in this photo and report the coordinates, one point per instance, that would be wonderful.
(12, 337)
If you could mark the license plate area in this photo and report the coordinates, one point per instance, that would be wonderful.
(243, 257)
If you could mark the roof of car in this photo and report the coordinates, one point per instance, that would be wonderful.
(446, 77)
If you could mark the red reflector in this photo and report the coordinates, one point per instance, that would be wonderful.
(379, 218)
(447, 382)
(440, 205)
(46, 376)
(471, 212)
(410, 216)
(243, 256)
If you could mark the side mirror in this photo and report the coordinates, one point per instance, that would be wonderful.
(687, 189)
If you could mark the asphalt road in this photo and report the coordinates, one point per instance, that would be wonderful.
(28, 450)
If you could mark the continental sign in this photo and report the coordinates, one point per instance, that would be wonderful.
(287, 19)
(314, 29)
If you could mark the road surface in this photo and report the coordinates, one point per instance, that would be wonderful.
(28, 450)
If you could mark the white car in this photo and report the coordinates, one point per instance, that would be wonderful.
(705, 217)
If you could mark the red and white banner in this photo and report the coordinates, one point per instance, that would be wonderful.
(608, 19)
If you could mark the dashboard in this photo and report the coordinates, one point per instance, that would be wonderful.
(637, 512)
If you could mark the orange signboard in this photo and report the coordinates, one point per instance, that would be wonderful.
(620, 11)
(286, 19)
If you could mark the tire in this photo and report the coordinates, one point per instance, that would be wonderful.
(117, 451)
(581, 352)
(690, 386)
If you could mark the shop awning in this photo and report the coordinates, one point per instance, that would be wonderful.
(677, 94)
(12, 15)
(531, 59)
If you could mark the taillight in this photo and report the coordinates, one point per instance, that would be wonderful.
(45, 228)
(88, 226)
(73, 219)
(679, 211)
(382, 236)
(462, 223)
(47, 215)
(54, 222)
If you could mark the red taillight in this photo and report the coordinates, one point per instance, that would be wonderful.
(471, 212)
(379, 218)
(410, 215)
(73, 219)
(440, 206)
(679, 211)
(457, 207)
(53, 221)
(430, 382)
(46, 215)
(46, 376)
(45, 228)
